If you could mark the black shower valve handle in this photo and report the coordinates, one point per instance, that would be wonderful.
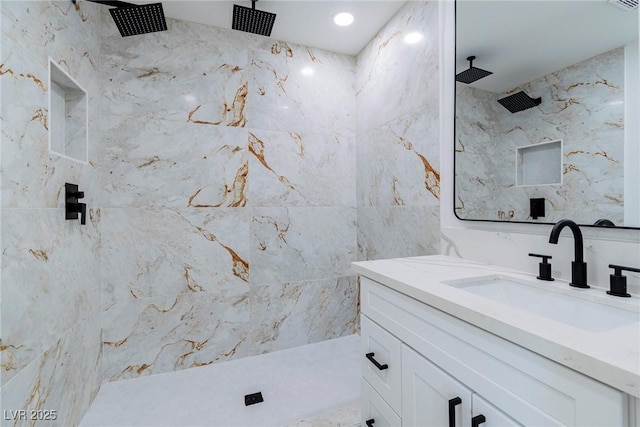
(75, 195)
(79, 208)
(83, 213)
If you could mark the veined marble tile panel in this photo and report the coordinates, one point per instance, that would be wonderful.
(300, 96)
(161, 253)
(296, 53)
(163, 163)
(308, 169)
(196, 81)
(291, 314)
(301, 243)
(32, 177)
(63, 379)
(49, 281)
(68, 33)
(398, 231)
(395, 77)
(173, 332)
(398, 162)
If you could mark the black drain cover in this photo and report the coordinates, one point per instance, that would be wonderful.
(253, 398)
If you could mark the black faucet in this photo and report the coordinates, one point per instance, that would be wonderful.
(578, 266)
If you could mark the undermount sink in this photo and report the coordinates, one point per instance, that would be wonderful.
(572, 310)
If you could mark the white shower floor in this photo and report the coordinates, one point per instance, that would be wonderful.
(312, 382)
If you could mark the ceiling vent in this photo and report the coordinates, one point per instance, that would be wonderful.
(625, 4)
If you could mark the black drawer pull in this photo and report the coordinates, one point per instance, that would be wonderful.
(370, 422)
(452, 410)
(477, 420)
(375, 362)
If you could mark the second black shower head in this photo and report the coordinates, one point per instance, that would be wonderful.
(519, 101)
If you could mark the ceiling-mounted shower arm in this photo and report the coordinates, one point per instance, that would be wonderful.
(470, 59)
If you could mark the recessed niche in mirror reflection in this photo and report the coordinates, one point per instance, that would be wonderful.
(587, 83)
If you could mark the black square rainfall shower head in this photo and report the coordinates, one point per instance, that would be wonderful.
(519, 101)
(142, 19)
(472, 74)
(252, 20)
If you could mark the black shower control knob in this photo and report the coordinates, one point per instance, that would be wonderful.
(74, 209)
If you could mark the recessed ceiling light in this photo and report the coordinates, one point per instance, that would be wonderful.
(343, 19)
(414, 37)
(307, 71)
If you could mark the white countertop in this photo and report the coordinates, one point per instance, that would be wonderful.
(611, 356)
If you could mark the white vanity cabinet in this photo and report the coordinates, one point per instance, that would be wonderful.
(426, 361)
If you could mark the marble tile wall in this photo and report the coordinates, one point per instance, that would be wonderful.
(398, 178)
(228, 206)
(487, 136)
(50, 309)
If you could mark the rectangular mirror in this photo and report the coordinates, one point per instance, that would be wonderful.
(529, 73)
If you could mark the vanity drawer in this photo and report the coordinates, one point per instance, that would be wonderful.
(382, 369)
(375, 410)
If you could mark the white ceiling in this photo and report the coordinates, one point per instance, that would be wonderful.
(306, 22)
(520, 41)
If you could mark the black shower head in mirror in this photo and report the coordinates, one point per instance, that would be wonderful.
(472, 74)
(519, 101)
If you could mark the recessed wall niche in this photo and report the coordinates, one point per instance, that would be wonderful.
(539, 164)
(68, 115)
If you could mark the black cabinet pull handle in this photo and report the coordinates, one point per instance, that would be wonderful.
(370, 422)
(477, 420)
(375, 362)
(452, 410)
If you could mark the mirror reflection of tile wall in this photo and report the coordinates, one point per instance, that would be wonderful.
(573, 99)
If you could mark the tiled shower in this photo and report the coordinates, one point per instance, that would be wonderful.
(227, 193)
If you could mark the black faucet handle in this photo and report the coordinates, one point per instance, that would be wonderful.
(545, 267)
(618, 282)
(544, 257)
(617, 269)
